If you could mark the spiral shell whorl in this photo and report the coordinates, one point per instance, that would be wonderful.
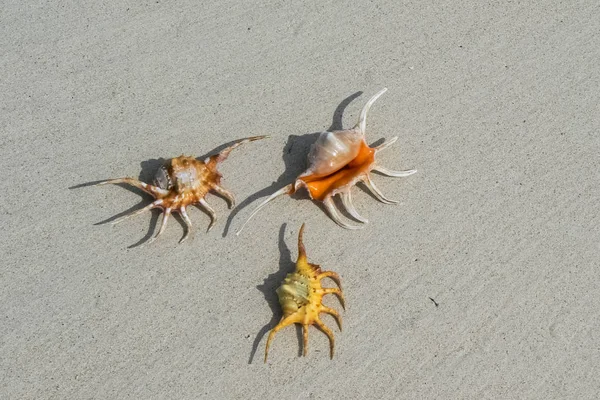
(332, 151)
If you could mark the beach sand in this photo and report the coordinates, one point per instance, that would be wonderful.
(481, 283)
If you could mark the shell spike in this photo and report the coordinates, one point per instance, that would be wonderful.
(392, 173)
(377, 193)
(304, 339)
(285, 321)
(301, 248)
(386, 144)
(284, 190)
(163, 225)
(334, 314)
(362, 121)
(329, 334)
(328, 202)
(225, 153)
(188, 224)
(203, 204)
(151, 189)
(347, 202)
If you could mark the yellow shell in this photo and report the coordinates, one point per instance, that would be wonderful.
(301, 295)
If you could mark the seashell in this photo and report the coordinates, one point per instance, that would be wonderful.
(300, 296)
(180, 182)
(337, 161)
(332, 151)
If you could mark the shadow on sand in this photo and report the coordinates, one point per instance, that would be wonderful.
(270, 284)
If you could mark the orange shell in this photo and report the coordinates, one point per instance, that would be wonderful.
(351, 161)
(320, 188)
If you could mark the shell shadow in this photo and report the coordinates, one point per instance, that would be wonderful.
(148, 169)
(294, 157)
(217, 150)
(337, 121)
(270, 284)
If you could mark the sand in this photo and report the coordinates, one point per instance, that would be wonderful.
(482, 283)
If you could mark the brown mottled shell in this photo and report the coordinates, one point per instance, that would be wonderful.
(183, 181)
(337, 161)
(301, 295)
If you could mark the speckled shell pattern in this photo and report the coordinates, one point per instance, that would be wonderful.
(189, 178)
(183, 181)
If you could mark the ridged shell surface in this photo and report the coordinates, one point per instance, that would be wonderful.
(180, 172)
(332, 151)
(293, 293)
(186, 177)
(162, 179)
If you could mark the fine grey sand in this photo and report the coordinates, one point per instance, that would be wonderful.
(482, 283)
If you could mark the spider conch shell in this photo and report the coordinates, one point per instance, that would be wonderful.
(181, 182)
(301, 299)
(337, 161)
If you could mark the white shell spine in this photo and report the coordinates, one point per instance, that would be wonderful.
(362, 120)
